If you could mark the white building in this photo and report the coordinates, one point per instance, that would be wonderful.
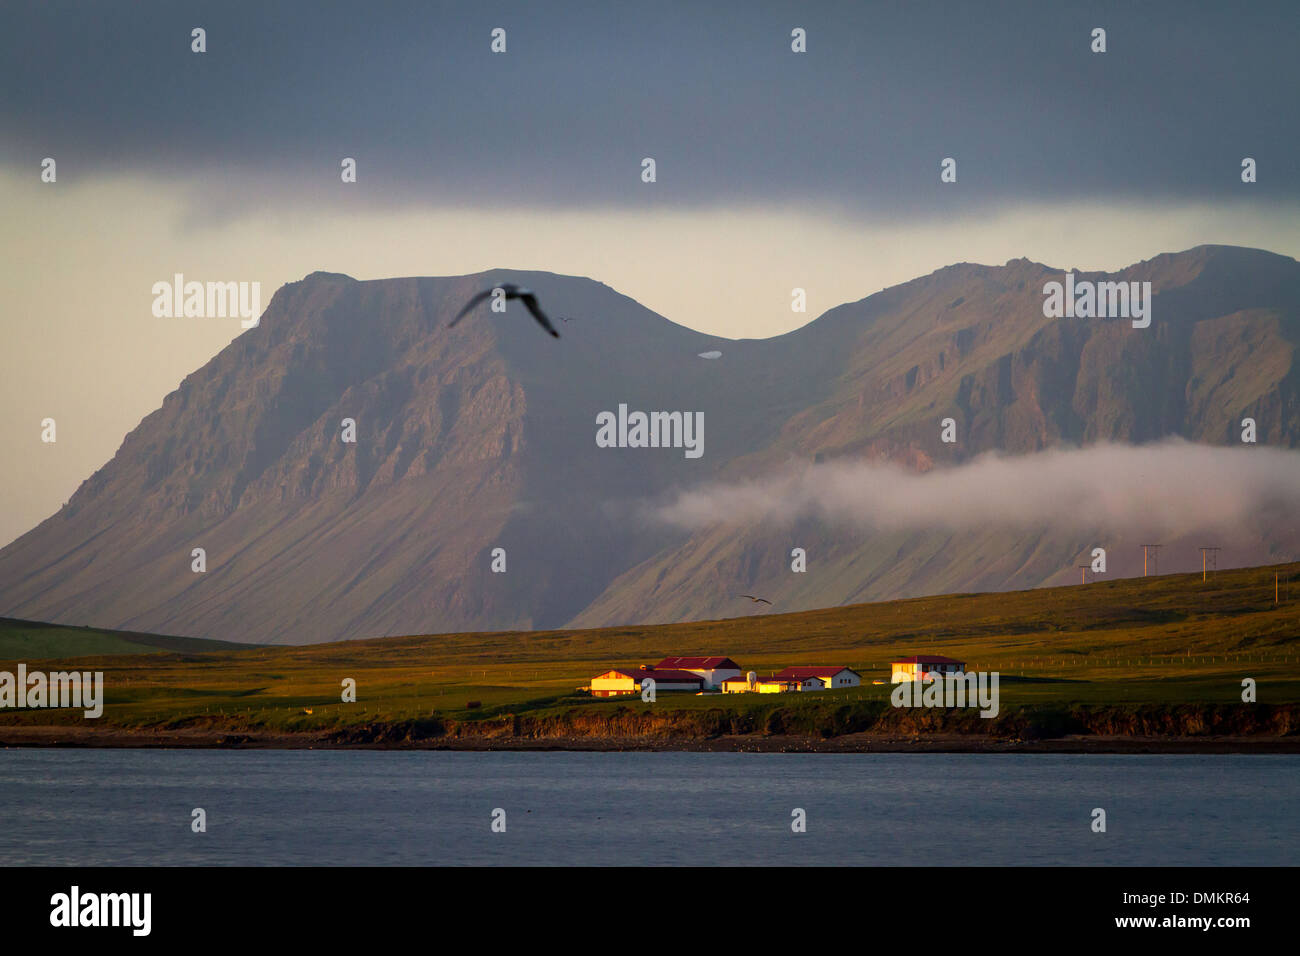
(713, 670)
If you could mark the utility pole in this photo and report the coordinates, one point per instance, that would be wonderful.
(1083, 574)
(1214, 560)
(1155, 558)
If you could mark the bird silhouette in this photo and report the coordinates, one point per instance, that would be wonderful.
(511, 291)
(756, 600)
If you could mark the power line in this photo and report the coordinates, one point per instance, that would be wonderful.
(1213, 562)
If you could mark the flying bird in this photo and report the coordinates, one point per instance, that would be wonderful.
(756, 600)
(511, 291)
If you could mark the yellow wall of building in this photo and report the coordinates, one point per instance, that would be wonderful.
(903, 672)
(621, 685)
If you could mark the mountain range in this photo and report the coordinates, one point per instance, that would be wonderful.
(484, 436)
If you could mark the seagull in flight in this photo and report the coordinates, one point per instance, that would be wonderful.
(511, 291)
(756, 600)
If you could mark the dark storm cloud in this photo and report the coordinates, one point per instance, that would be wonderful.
(711, 91)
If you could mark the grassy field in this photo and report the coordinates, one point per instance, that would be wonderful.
(1167, 641)
(29, 640)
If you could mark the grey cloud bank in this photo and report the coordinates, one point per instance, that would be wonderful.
(1171, 486)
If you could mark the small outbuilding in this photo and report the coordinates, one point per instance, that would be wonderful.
(739, 685)
(821, 677)
(775, 685)
(618, 681)
(924, 667)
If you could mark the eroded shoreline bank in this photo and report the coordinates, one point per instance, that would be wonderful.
(96, 738)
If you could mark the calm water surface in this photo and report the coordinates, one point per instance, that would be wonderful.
(133, 807)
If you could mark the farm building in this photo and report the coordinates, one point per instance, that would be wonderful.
(620, 680)
(793, 679)
(741, 684)
(775, 685)
(751, 683)
(821, 677)
(924, 667)
(713, 670)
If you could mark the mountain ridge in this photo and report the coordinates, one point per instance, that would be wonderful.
(482, 436)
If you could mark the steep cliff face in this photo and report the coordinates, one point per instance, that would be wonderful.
(467, 439)
(483, 436)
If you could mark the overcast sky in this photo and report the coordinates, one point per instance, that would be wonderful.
(712, 91)
(774, 169)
